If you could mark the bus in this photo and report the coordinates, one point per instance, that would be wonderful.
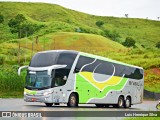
(73, 77)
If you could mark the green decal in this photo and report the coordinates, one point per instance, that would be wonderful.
(30, 91)
(87, 91)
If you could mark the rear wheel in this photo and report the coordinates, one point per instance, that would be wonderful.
(127, 103)
(49, 104)
(120, 103)
(73, 100)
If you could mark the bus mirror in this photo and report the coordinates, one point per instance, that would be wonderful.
(19, 70)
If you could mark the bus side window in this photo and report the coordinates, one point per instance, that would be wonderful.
(60, 78)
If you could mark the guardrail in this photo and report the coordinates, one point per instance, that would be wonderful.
(151, 95)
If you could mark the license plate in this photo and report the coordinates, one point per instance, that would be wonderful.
(33, 99)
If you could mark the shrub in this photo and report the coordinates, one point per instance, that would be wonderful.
(1, 18)
(129, 42)
(158, 44)
(2, 59)
(99, 23)
(114, 35)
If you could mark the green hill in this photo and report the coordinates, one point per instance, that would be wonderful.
(57, 18)
(62, 28)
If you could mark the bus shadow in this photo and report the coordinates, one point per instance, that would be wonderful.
(81, 107)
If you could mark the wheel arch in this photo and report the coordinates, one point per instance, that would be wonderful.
(121, 96)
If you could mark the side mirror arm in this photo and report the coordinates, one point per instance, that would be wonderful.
(19, 70)
(55, 67)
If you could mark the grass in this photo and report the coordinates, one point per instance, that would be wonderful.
(56, 18)
(60, 32)
(10, 83)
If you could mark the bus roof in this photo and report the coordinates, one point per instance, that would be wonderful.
(92, 56)
(49, 51)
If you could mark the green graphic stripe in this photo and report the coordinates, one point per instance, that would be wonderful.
(30, 91)
(83, 86)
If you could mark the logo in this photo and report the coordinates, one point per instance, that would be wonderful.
(6, 114)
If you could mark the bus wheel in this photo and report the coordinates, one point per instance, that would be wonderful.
(120, 102)
(100, 105)
(127, 103)
(73, 101)
(49, 104)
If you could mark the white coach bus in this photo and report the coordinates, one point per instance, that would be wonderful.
(72, 77)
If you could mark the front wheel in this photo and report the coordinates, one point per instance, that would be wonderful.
(158, 106)
(73, 100)
(49, 104)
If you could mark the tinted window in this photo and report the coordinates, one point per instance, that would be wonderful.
(43, 59)
(104, 67)
(98, 66)
(83, 61)
(108, 68)
(134, 73)
(66, 59)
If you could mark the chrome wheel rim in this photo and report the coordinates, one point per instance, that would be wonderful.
(73, 100)
(120, 103)
(127, 103)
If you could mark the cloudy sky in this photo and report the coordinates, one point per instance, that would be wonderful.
(117, 8)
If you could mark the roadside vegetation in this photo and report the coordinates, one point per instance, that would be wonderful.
(27, 28)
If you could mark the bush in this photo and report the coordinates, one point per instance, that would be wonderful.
(1, 18)
(2, 59)
(10, 81)
(14, 51)
(114, 35)
(129, 42)
(158, 44)
(99, 23)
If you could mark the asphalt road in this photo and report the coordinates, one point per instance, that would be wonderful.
(21, 105)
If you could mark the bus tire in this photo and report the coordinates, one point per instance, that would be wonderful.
(120, 103)
(127, 102)
(73, 100)
(49, 104)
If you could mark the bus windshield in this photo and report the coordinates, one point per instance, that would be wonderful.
(39, 80)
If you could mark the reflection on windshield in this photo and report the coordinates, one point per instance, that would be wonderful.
(38, 81)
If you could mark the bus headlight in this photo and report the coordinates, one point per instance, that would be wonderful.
(24, 93)
(46, 93)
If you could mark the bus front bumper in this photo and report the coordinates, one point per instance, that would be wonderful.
(36, 98)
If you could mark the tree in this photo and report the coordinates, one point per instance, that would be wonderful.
(99, 23)
(114, 35)
(129, 42)
(16, 24)
(158, 44)
(1, 18)
(126, 15)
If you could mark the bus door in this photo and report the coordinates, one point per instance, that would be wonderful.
(59, 81)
